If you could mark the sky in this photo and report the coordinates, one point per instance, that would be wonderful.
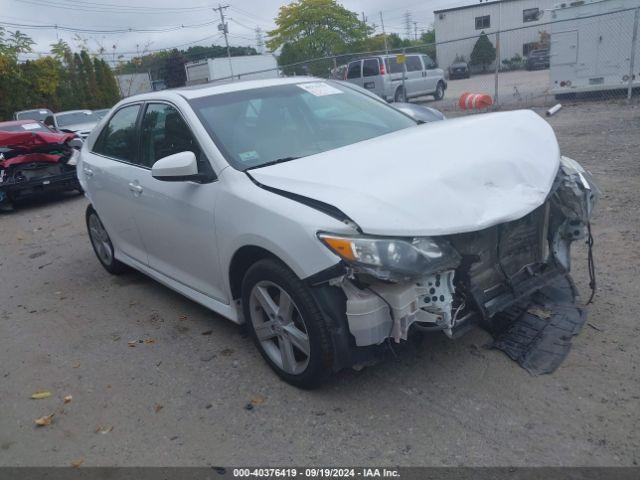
(171, 23)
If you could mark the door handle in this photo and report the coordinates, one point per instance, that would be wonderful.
(87, 172)
(135, 188)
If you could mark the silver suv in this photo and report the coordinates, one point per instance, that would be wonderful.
(382, 75)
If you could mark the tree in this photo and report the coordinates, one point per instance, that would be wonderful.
(13, 84)
(107, 84)
(91, 86)
(316, 28)
(483, 53)
(429, 37)
(174, 75)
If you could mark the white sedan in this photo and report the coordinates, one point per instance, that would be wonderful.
(327, 220)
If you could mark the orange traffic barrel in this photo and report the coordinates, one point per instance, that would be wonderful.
(471, 101)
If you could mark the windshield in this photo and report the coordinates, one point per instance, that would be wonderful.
(33, 115)
(284, 122)
(66, 119)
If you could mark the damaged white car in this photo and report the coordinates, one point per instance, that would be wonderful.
(334, 225)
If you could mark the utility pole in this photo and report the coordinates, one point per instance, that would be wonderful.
(415, 30)
(224, 28)
(384, 34)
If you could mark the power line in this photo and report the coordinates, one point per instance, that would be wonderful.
(106, 32)
(111, 8)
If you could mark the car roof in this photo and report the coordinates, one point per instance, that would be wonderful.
(208, 89)
(18, 122)
(32, 110)
(73, 111)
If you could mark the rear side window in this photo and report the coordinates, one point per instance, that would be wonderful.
(118, 138)
(370, 68)
(414, 64)
(354, 70)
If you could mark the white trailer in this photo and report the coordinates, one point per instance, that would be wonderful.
(594, 46)
(244, 68)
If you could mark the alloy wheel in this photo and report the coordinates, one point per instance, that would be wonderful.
(279, 327)
(100, 239)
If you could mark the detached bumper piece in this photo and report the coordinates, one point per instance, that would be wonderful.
(540, 337)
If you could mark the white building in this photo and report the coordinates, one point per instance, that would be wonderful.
(458, 28)
(213, 69)
(134, 83)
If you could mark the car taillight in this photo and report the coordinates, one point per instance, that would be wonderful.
(382, 72)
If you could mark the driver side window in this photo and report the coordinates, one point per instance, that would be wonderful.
(164, 133)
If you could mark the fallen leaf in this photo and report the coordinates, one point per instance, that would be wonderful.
(149, 341)
(208, 332)
(103, 430)
(183, 317)
(158, 407)
(40, 395)
(77, 463)
(257, 400)
(67, 399)
(132, 343)
(540, 312)
(227, 352)
(76, 365)
(44, 421)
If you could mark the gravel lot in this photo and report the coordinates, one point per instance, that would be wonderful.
(180, 398)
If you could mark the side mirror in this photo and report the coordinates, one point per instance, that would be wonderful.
(179, 167)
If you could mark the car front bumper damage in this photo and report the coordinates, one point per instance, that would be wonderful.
(512, 279)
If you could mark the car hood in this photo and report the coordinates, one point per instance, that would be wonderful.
(80, 127)
(441, 178)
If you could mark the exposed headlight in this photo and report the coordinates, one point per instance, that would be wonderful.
(73, 160)
(393, 258)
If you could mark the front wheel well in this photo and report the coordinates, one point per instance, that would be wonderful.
(241, 262)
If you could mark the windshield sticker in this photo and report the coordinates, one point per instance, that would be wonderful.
(250, 156)
(319, 89)
(31, 126)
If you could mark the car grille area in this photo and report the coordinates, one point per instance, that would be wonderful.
(498, 260)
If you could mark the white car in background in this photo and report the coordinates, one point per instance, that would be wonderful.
(328, 221)
(81, 122)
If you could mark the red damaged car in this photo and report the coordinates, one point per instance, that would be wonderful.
(35, 159)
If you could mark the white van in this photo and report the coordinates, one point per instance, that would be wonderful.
(382, 74)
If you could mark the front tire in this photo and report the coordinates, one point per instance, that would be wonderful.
(439, 93)
(101, 243)
(286, 324)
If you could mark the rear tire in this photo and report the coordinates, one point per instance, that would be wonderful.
(439, 93)
(101, 243)
(286, 324)
(399, 96)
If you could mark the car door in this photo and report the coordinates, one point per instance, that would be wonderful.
(176, 219)
(431, 73)
(106, 171)
(371, 78)
(354, 73)
(415, 82)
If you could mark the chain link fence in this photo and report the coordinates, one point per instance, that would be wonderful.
(580, 52)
